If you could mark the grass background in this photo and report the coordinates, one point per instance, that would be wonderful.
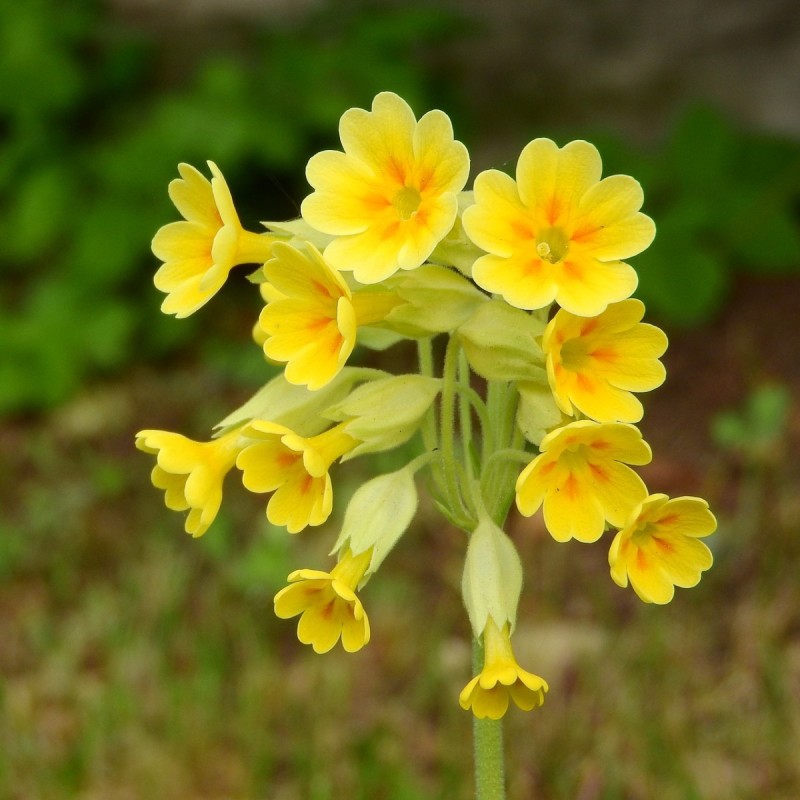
(138, 663)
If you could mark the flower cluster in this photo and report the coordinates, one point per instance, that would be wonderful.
(526, 279)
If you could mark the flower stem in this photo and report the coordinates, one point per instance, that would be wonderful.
(465, 413)
(488, 739)
(448, 424)
(499, 478)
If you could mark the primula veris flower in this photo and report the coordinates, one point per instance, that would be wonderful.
(311, 317)
(328, 604)
(191, 473)
(581, 478)
(199, 251)
(558, 232)
(392, 195)
(295, 469)
(593, 364)
(658, 549)
(501, 679)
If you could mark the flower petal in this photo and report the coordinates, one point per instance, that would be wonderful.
(609, 225)
(586, 286)
(192, 196)
(571, 510)
(498, 222)
(381, 138)
(552, 181)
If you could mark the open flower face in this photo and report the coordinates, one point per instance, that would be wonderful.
(581, 478)
(391, 196)
(295, 469)
(558, 231)
(311, 323)
(501, 679)
(659, 547)
(199, 251)
(593, 364)
(327, 604)
(190, 473)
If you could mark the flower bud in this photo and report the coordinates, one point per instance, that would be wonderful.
(435, 300)
(378, 514)
(492, 579)
(296, 407)
(385, 413)
(503, 343)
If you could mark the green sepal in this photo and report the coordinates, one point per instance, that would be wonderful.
(457, 249)
(492, 580)
(385, 413)
(296, 407)
(537, 412)
(378, 338)
(503, 343)
(299, 229)
(377, 515)
(257, 276)
(437, 300)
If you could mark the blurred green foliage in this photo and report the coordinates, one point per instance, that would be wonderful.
(94, 128)
(725, 201)
(756, 432)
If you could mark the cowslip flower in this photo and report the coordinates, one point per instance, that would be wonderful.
(501, 679)
(594, 364)
(191, 473)
(311, 316)
(295, 469)
(327, 604)
(658, 549)
(392, 195)
(199, 251)
(558, 232)
(581, 478)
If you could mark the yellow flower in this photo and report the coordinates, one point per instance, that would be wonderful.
(488, 693)
(295, 469)
(558, 232)
(191, 473)
(392, 195)
(328, 604)
(311, 319)
(199, 251)
(658, 549)
(594, 364)
(580, 477)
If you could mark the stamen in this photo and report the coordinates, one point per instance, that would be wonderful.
(552, 244)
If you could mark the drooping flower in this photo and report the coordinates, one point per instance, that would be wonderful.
(191, 473)
(659, 547)
(582, 479)
(593, 364)
(311, 316)
(327, 604)
(392, 195)
(199, 251)
(295, 469)
(558, 232)
(501, 679)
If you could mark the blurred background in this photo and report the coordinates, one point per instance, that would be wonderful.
(138, 663)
